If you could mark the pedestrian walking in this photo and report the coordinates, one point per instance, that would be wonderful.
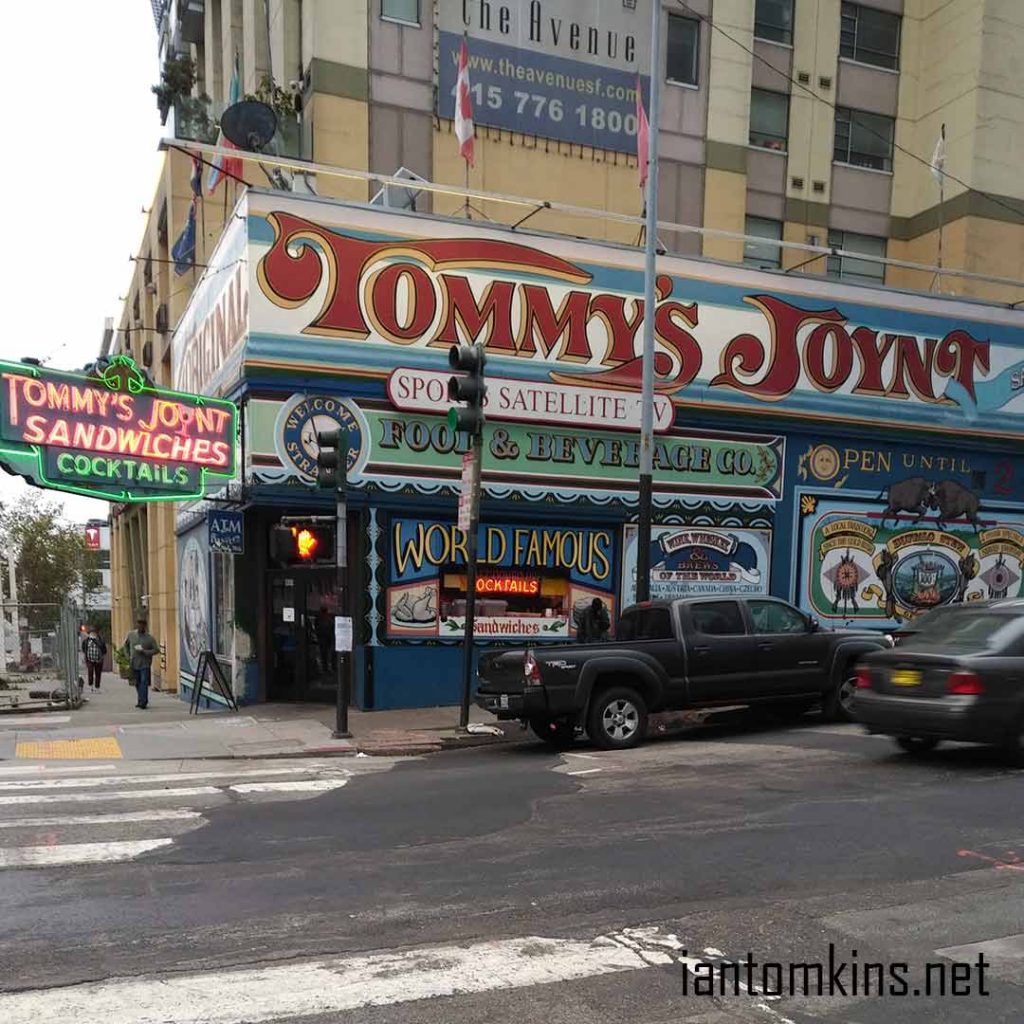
(140, 645)
(95, 650)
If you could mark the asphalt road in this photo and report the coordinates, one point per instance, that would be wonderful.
(512, 884)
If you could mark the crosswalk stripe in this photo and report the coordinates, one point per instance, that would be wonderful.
(333, 985)
(129, 817)
(132, 780)
(291, 786)
(78, 853)
(133, 794)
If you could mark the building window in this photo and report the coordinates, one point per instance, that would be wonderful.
(758, 254)
(849, 268)
(773, 19)
(769, 119)
(869, 36)
(681, 55)
(405, 11)
(224, 603)
(864, 140)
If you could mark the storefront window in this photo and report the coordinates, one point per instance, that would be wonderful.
(224, 603)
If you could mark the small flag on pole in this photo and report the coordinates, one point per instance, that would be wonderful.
(232, 164)
(643, 135)
(464, 108)
(938, 162)
(183, 251)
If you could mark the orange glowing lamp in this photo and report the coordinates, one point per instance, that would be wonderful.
(306, 542)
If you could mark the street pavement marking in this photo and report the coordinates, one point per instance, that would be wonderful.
(333, 985)
(290, 786)
(136, 794)
(77, 853)
(49, 769)
(119, 780)
(44, 720)
(100, 819)
(69, 750)
(586, 771)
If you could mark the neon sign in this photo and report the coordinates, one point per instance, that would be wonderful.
(111, 434)
(528, 585)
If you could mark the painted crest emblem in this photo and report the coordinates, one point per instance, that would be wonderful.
(302, 419)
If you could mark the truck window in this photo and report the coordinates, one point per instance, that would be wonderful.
(654, 624)
(772, 617)
(717, 618)
(626, 629)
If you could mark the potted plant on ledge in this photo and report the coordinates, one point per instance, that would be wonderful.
(123, 664)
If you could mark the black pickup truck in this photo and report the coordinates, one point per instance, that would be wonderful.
(670, 656)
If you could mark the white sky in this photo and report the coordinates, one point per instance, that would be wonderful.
(80, 163)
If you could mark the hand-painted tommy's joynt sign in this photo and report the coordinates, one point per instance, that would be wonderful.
(364, 291)
(111, 434)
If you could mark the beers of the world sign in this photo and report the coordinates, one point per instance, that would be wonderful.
(109, 433)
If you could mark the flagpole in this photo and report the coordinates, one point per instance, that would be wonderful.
(643, 538)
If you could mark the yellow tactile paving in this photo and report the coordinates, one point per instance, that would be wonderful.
(69, 750)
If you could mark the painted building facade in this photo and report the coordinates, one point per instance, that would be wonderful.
(851, 449)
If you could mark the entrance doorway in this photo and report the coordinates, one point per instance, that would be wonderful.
(303, 662)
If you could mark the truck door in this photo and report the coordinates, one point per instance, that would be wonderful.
(790, 655)
(720, 652)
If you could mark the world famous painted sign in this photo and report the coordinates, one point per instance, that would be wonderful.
(348, 290)
(865, 562)
(692, 560)
(111, 434)
(534, 581)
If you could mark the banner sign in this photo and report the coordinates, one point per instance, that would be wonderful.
(557, 68)
(226, 532)
(694, 560)
(363, 291)
(391, 446)
(535, 581)
(111, 434)
(864, 563)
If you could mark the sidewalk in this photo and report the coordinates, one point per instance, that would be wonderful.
(109, 726)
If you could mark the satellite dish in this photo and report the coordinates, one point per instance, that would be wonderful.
(249, 124)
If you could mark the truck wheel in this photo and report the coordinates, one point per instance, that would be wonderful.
(617, 718)
(838, 703)
(555, 732)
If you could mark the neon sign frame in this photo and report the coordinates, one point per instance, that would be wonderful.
(120, 376)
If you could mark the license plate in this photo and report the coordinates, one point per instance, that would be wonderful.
(905, 677)
(503, 701)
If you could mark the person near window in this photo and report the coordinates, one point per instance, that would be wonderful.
(594, 623)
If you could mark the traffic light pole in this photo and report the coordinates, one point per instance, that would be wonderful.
(343, 659)
(471, 555)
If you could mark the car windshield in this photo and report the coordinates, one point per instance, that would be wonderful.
(936, 619)
(974, 630)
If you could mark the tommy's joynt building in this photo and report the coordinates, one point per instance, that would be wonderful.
(852, 449)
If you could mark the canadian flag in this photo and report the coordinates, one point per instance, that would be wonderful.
(464, 107)
(643, 135)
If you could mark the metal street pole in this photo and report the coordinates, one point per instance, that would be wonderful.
(342, 659)
(471, 553)
(643, 539)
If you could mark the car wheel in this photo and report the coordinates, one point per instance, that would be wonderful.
(1013, 747)
(916, 744)
(555, 732)
(617, 718)
(838, 705)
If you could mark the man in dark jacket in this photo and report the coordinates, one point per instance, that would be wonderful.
(95, 650)
(594, 627)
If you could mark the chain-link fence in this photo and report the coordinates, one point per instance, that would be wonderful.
(42, 662)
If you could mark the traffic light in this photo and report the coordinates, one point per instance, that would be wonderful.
(302, 544)
(470, 389)
(332, 459)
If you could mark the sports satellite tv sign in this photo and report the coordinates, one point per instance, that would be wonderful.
(112, 435)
